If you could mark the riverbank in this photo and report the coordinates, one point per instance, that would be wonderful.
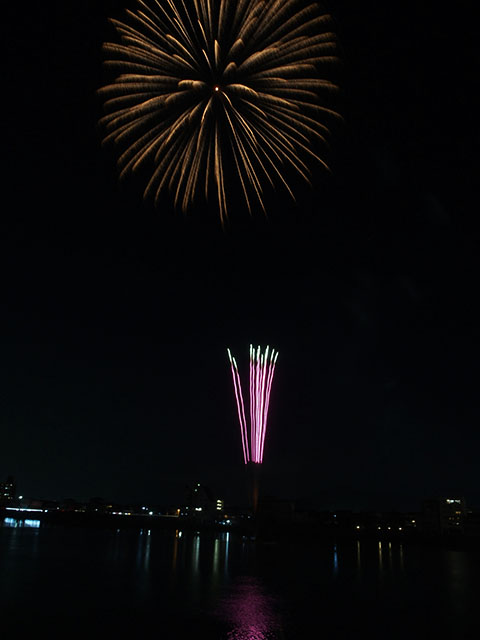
(281, 532)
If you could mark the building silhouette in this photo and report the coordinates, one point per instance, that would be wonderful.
(202, 504)
(7, 492)
(444, 515)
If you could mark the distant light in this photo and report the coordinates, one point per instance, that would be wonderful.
(10, 522)
(150, 513)
(358, 526)
(20, 497)
(21, 509)
(198, 508)
(32, 523)
(399, 528)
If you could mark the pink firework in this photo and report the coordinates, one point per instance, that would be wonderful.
(262, 368)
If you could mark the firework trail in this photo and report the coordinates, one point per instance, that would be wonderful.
(209, 89)
(262, 368)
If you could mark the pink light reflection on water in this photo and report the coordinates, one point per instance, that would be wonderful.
(251, 612)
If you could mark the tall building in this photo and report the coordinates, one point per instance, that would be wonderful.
(444, 515)
(7, 491)
(201, 503)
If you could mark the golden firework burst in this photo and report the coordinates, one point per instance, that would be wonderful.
(216, 89)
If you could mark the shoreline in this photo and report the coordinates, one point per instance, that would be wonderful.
(282, 532)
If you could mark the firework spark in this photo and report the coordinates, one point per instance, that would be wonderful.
(262, 368)
(210, 89)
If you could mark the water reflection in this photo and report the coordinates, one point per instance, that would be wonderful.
(251, 612)
(400, 556)
(143, 550)
(222, 586)
(12, 522)
(227, 543)
(221, 547)
(178, 535)
(216, 556)
(143, 561)
(458, 572)
(335, 560)
(195, 555)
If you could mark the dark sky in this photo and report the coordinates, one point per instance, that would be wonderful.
(115, 317)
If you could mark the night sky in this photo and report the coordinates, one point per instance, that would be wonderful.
(115, 317)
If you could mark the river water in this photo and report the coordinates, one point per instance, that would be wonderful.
(74, 582)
